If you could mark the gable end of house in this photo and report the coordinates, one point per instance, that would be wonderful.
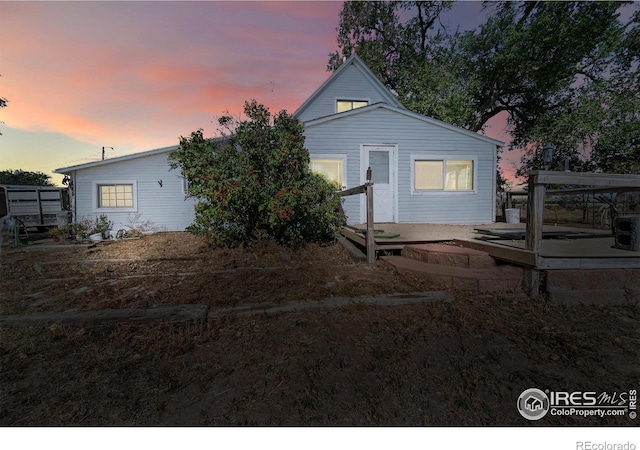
(353, 81)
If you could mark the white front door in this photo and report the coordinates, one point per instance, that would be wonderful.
(381, 159)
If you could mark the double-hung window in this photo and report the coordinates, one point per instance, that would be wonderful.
(443, 174)
(120, 196)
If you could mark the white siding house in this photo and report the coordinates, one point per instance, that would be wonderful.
(423, 170)
(138, 187)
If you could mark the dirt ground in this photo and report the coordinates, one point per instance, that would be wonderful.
(463, 362)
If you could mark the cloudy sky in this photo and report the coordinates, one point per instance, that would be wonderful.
(138, 75)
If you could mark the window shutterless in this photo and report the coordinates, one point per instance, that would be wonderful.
(115, 196)
(331, 169)
(447, 175)
(348, 105)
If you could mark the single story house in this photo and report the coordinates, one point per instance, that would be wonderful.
(423, 170)
(133, 188)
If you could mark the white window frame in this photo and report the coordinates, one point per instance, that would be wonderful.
(96, 195)
(340, 156)
(444, 158)
(344, 99)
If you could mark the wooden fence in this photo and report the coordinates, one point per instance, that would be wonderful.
(538, 181)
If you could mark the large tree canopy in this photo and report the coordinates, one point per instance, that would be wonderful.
(598, 126)
(560, 71)
(528, 57)
(24, 177)
(402, 44)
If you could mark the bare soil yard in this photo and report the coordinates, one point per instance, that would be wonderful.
(463, 362)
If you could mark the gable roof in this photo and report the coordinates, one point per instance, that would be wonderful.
(407, 113)
(117, 159)
(354, 60)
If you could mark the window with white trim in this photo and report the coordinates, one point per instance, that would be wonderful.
(443, 175)
(332, 168)
(348, 105)
(115, 196)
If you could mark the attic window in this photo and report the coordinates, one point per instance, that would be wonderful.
(348, 105)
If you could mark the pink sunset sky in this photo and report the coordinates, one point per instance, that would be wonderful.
(136, 76)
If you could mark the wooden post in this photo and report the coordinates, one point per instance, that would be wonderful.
(531, 281)
(533, 237)
(371, 241)
(535, 214)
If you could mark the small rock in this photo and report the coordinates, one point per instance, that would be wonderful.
(285, 256)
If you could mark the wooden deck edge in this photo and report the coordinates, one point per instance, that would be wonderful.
(353, 235)
(585, 263)
(356, 236)
(356, 253)
(542, 262)
(501, 252)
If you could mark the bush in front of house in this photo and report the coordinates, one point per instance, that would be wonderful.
(84, 227)
(254, 182)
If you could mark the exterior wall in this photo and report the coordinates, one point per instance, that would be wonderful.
(413, 137)
(351, 85)
(166, 207)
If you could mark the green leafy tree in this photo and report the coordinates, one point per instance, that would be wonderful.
(402, 44)
(598, 126)
(25, 177)
(532, 61)
(254, 182)
(529, 57)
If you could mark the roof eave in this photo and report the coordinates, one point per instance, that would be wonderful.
(405, 112)
(65, 170)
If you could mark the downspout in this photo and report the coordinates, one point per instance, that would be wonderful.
(73, 196)
(495, 183)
